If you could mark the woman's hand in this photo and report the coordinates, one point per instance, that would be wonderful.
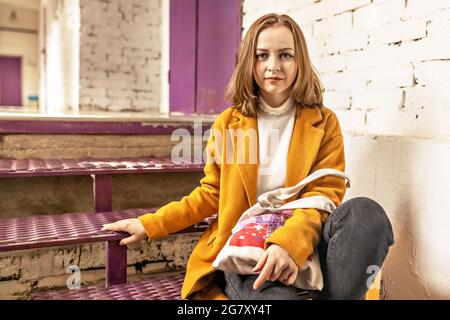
(133, 226)
(276, 264)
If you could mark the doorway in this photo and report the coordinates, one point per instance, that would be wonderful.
(10, 81)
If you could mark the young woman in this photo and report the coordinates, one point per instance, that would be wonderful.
(274, 88)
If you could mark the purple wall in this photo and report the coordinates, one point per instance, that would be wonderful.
(10, 81)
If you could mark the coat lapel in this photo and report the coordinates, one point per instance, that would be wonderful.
(248, 171)
(303, 149)
(304, 146)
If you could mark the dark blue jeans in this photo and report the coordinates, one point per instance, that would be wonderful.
(355, 241)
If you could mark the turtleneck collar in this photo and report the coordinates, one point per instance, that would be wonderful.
(266, 109)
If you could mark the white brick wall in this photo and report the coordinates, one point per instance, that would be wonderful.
(120, 55)
(385, 65)
(372, 55)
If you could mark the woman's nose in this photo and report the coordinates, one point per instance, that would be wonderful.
(273, 64)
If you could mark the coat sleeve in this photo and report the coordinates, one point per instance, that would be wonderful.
(302, 232)
(201, 203)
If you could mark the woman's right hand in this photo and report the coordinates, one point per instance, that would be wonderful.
(133, 226)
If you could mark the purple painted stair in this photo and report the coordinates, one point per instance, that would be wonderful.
(101, 171)
(65, 229)
(159, 287)
(76, 228)
(66, 167)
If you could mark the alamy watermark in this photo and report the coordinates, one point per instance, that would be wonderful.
(373, 270)
(236, 146)
(74, 280)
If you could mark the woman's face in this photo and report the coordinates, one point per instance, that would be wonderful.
(275, 59)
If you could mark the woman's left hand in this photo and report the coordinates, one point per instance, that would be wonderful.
(133, 226)
(276, 264)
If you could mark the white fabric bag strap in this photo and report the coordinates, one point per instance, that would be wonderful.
(274, 200)
(316, 202)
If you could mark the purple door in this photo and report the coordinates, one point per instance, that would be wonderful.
(219, 35)
(10, 81)
(204, 40)
(183, 15)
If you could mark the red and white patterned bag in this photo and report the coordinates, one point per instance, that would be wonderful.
(245, 246)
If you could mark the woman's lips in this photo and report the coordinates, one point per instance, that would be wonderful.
(271, 80)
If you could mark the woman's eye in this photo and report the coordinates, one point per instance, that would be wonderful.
(264, 56)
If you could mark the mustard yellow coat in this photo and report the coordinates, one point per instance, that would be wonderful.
(230, 189)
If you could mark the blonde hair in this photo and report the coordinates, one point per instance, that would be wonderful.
(242, 89)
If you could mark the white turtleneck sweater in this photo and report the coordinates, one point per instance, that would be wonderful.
(275, 126)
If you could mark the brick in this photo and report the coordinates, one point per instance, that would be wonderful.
(113, 85)
(96, 92)
(389, 122)
(122, 77)
(398, 31)
(351, 121)
(344, 42)
(329, 63)
(377, 15)
(420, 8)
(427, 49)
(426, 73)
(85, 100)
(145, 96)
(7, 268)
(373, 57)
(307, 30)
(13, 290)
(120, 103)
(326, 8)
(439, 23)
(390, 76)
(332, 26)
(418, 123)
(336, 100)
(51, 282)
(265, 7)
(376, 98)
(343, 81)
(434, 100)
(140, 104)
